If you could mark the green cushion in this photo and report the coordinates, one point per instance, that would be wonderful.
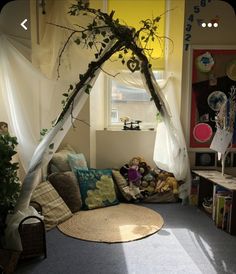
(96, 188)
(77, 161)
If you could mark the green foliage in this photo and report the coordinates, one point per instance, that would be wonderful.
(106, 36)
(66, 96)
(103, 28)
(9, 182)
(88, 88)
(43, 132)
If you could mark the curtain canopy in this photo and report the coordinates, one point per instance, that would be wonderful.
(32, 95)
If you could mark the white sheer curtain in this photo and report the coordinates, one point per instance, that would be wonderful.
(30, 100)
(30, 95)
(170, 151)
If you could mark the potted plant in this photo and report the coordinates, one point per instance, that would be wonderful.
(9, 181)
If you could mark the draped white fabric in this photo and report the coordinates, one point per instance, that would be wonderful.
(30, 99)
(29, 96)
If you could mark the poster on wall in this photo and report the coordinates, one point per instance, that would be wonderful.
(213, 81)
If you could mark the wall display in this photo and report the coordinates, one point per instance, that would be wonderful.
(205, 159)
(213, 80)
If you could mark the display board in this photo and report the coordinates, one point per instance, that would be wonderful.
(213, 79)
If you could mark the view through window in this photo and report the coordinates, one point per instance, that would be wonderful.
(128, 101)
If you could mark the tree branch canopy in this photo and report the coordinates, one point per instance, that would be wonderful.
(106, 36)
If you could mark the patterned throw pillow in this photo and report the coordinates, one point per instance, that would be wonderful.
(60, 159)
(96, 188)
(54, 209)
(122, 185)
(77, 161)
(66, 185)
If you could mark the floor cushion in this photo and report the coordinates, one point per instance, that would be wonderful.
(67, 187)
(54, 209)
(96, 188)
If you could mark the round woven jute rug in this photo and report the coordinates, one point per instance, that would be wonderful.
(113, 224)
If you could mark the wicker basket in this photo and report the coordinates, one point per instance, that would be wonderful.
(207, 208)
(32, 238)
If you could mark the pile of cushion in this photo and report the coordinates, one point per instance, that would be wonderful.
(72, 186)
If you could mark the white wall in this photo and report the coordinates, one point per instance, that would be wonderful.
(116, 148)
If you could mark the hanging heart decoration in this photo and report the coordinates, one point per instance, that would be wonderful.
(133, 65)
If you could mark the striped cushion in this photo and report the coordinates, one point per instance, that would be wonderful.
(54, 208)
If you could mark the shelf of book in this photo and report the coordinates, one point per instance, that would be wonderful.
(220, 190)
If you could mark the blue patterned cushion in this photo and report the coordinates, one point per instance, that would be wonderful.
(77, 161)
(96, 188)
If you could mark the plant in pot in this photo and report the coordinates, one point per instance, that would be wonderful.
(9, 182)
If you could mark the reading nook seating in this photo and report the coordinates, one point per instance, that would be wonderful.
(72, 186)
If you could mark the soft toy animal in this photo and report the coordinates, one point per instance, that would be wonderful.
(163, 175)
(124, 171)
(169, 184)
(134, 176)
(144, 168)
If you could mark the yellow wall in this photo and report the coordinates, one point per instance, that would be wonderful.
(131, 12)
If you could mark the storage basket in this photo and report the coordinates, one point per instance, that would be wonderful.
(32, 237)
(207, 208)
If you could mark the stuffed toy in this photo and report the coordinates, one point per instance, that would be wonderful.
(163, 175)
(124, 171)
(173, 184)
(144, 168)
(134, 176)
(169, 184)
(149, 177)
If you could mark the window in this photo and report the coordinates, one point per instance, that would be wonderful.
(127, 101)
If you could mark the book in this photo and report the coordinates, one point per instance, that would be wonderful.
(226, 212)
(229, 219)
(218, 191)
(219, 210)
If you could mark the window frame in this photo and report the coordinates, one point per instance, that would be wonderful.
(108, 106)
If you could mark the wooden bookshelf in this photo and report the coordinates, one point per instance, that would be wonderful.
(207, 180)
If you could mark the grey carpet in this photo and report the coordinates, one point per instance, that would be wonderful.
(188, 243)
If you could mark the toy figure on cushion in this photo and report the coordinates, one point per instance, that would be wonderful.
(144, 168)
(148, 183)
(124, 171)
(134, 175)
(170, 183)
